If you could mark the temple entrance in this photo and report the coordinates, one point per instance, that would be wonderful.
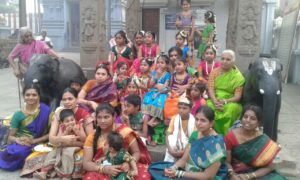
(151, 21)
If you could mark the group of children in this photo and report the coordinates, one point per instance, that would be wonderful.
(158, 93)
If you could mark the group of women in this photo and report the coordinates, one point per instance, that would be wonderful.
(209, 95)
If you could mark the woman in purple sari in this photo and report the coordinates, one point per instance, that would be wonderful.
(99, 90)
(28, 128)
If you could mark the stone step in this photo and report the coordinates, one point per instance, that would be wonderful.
(157, 153)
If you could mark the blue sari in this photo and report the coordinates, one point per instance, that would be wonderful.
(203, 153)
(13, 157)
(154, 100)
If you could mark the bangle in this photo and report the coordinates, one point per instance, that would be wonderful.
(254, 175)
(179, 174)
(247, 175)
(225, 102)
(100, 169)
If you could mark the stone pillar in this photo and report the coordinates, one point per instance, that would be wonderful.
(268, 10)
(133, 13)
(243, 30)
(93, 44)
(22, 13)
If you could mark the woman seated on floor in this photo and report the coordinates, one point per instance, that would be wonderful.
(203, 158)
(249, 152)
(96, 147)
(35, 161)
(29, 127)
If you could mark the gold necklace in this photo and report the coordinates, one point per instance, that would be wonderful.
(26, 111)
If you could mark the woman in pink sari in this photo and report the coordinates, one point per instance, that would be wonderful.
(99, 90)
(24, 51)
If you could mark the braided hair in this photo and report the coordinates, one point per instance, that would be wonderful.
(102, 107)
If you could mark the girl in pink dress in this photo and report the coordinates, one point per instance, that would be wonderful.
(149, 50)
(209, 63)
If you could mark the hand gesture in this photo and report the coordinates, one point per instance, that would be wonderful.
(77, 129)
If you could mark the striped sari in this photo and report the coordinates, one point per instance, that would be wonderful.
(253, 154)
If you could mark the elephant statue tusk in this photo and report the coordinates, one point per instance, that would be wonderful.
(278, 92)
(261, 91)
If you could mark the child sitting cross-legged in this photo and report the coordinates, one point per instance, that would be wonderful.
(180, 128)
(116, 156)
(59, 161)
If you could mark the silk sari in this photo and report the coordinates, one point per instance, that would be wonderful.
(34, 126)
(253, 154)
(203, 153)
(129, 137)
(225, 86)
(103, 92)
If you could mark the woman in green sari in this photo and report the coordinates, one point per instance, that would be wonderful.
(29, 127)
(225, 87)
(249, 152)
(204, 156)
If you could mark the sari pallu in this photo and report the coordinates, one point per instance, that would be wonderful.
(206, 151)
(104, 92)
(12, 158)
(225, 86)
(254, 154)
(142, 164)
(203, 153)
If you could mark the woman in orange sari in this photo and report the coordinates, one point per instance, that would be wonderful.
(96, 147)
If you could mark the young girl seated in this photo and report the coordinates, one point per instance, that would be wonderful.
(60, 161)
(142, 79)
(205, 67)
(181, 127)
(179, 85)
(120, 77)
(196, 96)
(116, 156)
(155, 98)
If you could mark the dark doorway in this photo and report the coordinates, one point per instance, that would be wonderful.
(74, 24)
(151, 21)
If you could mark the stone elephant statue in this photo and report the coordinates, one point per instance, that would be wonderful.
(53, 76)
(263, 88)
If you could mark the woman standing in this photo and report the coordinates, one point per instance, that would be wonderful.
(96, 147)
(249, 152)
(28, 128)
(225, 87)
(24, 51)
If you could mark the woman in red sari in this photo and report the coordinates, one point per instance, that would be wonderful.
(98, 90)
(96, 147)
